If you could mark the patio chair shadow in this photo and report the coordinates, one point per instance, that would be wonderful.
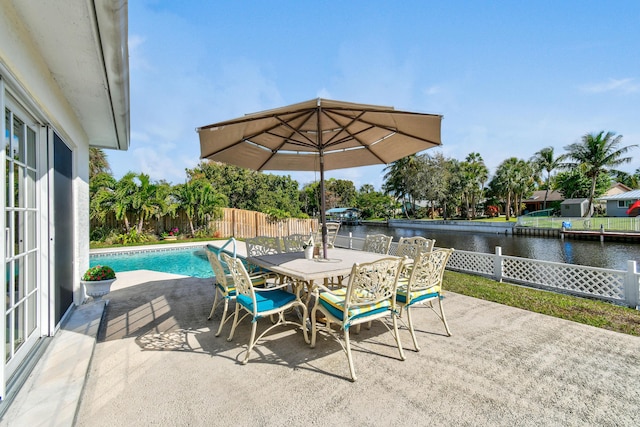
(171, 315)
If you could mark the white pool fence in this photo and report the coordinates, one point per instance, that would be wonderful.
(616, 286)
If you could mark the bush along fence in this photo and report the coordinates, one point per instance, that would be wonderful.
(616, 286)
(236, 223)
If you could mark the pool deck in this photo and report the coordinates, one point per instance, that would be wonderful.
(156, 361)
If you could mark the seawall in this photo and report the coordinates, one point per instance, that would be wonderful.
(452, 225)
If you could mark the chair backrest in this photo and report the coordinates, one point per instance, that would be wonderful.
(240, 276)
(263, 245)
(219, 270)
(371, 283)
(410, 246)
(295, 242)
(332, 232)
(378, 243)
(428, 269)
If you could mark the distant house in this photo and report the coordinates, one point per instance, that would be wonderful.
(345, 215)
(618, 204)
(617, 188)
(536, 201)
(575, 208)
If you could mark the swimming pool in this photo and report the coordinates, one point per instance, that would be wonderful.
(191, 261)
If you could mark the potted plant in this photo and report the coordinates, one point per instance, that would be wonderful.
(97, 281)
(172, 234)
(308, 247)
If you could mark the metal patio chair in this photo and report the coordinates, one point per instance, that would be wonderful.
(259, 303)
(424, 285)
(370, 295)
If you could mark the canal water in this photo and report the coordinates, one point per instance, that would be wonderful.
(612, 255)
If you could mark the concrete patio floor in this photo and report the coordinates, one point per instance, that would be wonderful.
(157, 362)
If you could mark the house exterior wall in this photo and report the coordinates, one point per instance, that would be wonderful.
(614, 210)
(27, 84)
(27, 76)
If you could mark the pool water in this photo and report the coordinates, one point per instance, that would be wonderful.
(188, 262)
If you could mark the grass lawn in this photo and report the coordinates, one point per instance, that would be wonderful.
(589, 312)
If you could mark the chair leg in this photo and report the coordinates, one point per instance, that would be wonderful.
(313, 327)
(235, 322)
(442, 316)
(254, 326)
(396, 335)
(224, 316)
(215, 304)
(411, 330)
(347, 346)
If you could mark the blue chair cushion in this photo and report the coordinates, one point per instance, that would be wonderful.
(415, 296)
(267, 300)
(334, 303)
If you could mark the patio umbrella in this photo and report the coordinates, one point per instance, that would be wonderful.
(319, 135)
(634, 209)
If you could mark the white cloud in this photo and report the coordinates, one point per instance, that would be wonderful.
(627, 85)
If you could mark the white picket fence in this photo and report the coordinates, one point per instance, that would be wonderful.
(616, 286)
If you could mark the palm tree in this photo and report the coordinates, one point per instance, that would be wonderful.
(398, 177)
(98, 162)
(597, 153)
(544, 160)
(475, 175)
(513, 180)
(199, 201)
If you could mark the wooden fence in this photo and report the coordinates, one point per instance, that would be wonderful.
(242, 224)
(236, 223)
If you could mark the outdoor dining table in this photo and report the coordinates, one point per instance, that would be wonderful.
(294, 265)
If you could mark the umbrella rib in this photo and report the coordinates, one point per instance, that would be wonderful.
(390, 129)
(288, 139)
(250, 137)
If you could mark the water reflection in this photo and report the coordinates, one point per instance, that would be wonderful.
(583, 252)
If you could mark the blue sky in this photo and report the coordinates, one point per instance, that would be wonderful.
(509, 77)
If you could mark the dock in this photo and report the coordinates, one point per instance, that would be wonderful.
(601, 235)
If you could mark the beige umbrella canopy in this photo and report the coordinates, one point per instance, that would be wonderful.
(319, 135)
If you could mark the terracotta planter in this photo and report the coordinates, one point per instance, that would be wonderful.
(97, 289)
(171, 238)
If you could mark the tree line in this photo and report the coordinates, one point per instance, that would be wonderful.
(417, 186)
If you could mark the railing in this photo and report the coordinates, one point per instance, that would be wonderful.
(617, 286)
(593, 223)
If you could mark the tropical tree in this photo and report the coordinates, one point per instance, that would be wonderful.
(199, 201)
(545, 160)
(340, 193)
(374, 204)
(101, 196)
(512, 181)
(124, 194)
(574, 184)
(597, 153)
(148, 200)
(98, 162)
(401, 181)
(474, 174)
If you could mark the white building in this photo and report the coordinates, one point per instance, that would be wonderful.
(64, 86)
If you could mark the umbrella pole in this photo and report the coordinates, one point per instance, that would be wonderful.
(323, 215)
